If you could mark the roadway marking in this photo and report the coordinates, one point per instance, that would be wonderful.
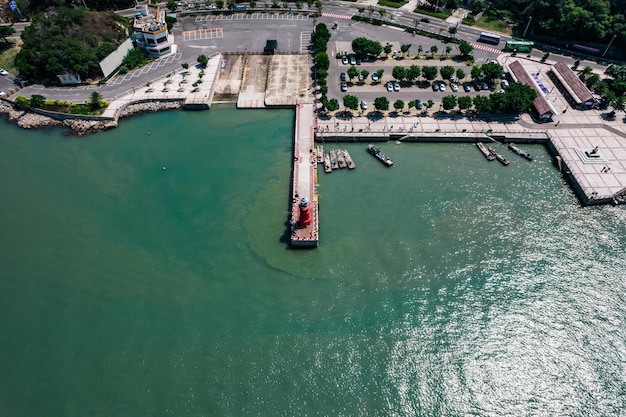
(252, 16)
(306, 41)
(146, 69)
(486, 48)
(194, 35)
(337, 16)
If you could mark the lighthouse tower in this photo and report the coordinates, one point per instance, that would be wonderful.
(305, 212)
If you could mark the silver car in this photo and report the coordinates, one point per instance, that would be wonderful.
(3, 72)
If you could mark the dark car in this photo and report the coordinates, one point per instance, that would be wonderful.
(435, 86)
(20, 81)
(425, 20)
(467, 87)
(419, 105)
(343, 76)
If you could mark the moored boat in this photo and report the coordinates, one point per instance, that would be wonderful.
(520, 152)
(375, 150)
(320, 154)
(334, 163)
(349, 160)
(327, 167)
(485, 152)
(341, 159)
(499, 157)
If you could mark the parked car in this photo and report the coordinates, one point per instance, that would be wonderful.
(454, 87)
(375, 77)
(435, 86)
(363, 105)
(20, 81)
(360, 77)
(343, 76)
(344, 60)
(442, 87)
(467, 87)
(352, 60)
(3, 72)
(484, 86)
(425, 20)
(344, 86)
(3, 94)
(419, 105)
(396, 86)
(389, 86)
(358, 60)
(504, 84)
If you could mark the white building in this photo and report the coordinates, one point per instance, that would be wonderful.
(150, 31)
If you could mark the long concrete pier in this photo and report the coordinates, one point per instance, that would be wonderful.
(304, 180)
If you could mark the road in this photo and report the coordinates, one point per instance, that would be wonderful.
(293, 33)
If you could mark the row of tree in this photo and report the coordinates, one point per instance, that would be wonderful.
(516, 99)
(364, 47)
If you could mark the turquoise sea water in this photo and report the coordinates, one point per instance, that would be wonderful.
(445, 286)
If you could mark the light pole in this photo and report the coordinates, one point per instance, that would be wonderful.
(525, 30)
(609, 45)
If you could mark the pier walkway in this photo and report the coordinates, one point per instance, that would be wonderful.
(304, 179)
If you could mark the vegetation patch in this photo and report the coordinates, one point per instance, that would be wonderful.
(69, 41)
(95, 106)
(390, 3)
(8, 51)
(444, 14)
(498, 21)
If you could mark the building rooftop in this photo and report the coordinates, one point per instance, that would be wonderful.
(542, 105)
(578, 90)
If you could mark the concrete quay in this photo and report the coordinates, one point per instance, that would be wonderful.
(596, 177)
(304, 179)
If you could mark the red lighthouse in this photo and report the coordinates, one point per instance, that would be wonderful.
(305, 212)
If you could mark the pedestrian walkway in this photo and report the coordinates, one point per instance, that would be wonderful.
(336, 16)
(253, 16)
(486, 48)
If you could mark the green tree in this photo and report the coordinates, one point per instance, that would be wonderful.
(6, 31)
(230, 4)
(382, 12)
(460, 74)
(448, 50)
(37, 100)
(465, 48)
(185, 65)
(380, 73)
(477, 7)
(429, 104)
(411, 104)
(253, 4)
(492, 70)
(95, 102)
(360, 46)
(398, 105)
(381, 103)
(399, 73)
(518, 98)
(353, 72)
(545, 57)
(333, 104)
(322, 61)
(405, 48)
(446, 72)
(387, 48)
(365, 74)
(420, 49)
(576, 64)
(171, 5)
(429, 72)
(476, 71)
(433, 50)
(219, 4)
(482, 104)
(350, 102)
(298, 5)
(318, 6)
(465, 102)
(449, 102)
(413, 73)
(203, 60)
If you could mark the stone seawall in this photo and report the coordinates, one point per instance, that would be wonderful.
(35, 118)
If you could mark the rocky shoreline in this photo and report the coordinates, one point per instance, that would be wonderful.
(79, 125)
